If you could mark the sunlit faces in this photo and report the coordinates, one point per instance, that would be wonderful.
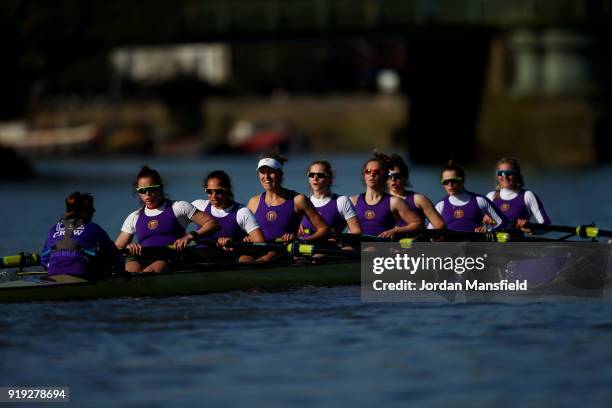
(452, 183)
(150, 192)
(506, 176)
(319, 179)
(396, 180)
(218, 195)
(374, 175)
(269, 178)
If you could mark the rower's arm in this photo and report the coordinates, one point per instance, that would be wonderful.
(435, 219)
(207, 223)
(354, 226)
(123, 239)
(402, 211)
(305, 206)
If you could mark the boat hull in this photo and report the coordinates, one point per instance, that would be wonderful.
(199, 280)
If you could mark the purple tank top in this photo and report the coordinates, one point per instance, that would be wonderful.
(375, 218)
(277, 220)
(410, 201)
(516, 208)
(330, 214)
(160, 230)
(229, 223)
(462, 218)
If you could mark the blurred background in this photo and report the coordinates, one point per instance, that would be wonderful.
(432, 79)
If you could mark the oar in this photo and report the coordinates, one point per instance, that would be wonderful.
(583, 231)
(349, 238)
(294, 248)
(20, 260)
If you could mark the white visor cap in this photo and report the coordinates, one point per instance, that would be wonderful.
(270, 162)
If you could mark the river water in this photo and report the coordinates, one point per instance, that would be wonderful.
(307, 347)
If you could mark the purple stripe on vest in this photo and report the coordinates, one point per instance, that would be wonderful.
(160, 230)
(375, 218)
(410, 201)
(229, 224)
(330, 214)
(277, 220)
(462, 218)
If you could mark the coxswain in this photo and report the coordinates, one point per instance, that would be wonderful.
(77, 246)
(158, 223)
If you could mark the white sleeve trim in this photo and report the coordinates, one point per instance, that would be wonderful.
(488, 209)
(246, 220)
(129, 225)
(183, 211)
(345, 207)
(491, 195)
(200, 204)
(532, 206)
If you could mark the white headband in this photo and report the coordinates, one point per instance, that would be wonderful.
(270, 162)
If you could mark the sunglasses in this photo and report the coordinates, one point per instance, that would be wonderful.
(319, 175)
(154, 188)
(457, 180)
(211, 191)
(395, 176)
(374, 172)
(507, 173)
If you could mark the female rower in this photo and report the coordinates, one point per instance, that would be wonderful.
(337, 211)
(159, 222)
(279, 210)
(517, 204)
(235, 219)
(463, 210)
(377, 211)
(76, 246)
(398, 180)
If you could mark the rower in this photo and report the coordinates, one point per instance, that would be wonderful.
(77, 246)
(518, 205)
(279, 210)
(158, 223)
(377, 211)
(463, 210)
(397, 181)
(337, 211)
(235, 219)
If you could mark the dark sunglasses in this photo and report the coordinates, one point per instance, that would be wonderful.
(506, 173)
(374, 172)
(452, 181)
(217, 191)
(154, 188)
(319, 175)
(395, 176)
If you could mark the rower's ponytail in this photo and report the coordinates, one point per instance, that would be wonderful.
(79, 205)
(451, 165)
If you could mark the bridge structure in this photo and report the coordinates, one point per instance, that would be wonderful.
(556, 50)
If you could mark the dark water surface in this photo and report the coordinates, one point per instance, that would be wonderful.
(307, 347)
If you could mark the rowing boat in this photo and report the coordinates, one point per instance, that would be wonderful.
(194, 279)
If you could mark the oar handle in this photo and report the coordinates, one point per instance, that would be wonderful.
(20, 260)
